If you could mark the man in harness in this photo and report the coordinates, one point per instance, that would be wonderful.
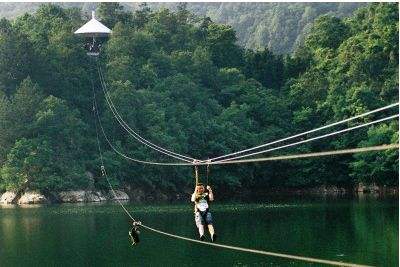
(202, 213)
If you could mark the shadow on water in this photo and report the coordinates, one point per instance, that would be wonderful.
(358, 230)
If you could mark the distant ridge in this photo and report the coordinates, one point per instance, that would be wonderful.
(279, 26)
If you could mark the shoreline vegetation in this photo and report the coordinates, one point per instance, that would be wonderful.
(183, 82)
(139, 196)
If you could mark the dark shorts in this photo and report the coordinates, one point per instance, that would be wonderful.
(203, 218)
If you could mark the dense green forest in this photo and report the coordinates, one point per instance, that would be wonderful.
(279, 26)
(184, 83)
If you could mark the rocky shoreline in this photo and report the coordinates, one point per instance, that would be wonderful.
(35, 197)
(140, 195)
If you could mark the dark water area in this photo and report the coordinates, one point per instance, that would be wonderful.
(357, 230)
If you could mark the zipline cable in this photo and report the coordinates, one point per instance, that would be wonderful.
(274, 158)
(255, 251)
(311, 139)
(312, 155)
(122, 122)
(103, 169)
(130, 130)
(307, 132)
(232, 161)
(124, 155)
(136, 135)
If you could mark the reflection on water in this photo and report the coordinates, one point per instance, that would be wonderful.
(361, 231)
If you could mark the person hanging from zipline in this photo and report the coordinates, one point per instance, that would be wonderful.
(134, 233)
(201, 210)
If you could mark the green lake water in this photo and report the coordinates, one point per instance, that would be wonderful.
(363, 231)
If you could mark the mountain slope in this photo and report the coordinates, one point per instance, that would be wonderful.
(279, 26)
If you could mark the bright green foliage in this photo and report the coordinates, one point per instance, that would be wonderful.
(184, 83)
(17, 114)
(52, 159)
(35, 164)
(381, 168)
(354, 69)
(327, 32)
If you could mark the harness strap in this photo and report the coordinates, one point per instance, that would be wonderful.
(196, 174)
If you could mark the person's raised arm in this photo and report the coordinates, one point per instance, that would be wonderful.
(193, 195)
(210, 193)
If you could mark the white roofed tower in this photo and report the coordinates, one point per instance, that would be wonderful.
(93, 30)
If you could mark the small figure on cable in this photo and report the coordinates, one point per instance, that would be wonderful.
(134, 233)
(202, 212)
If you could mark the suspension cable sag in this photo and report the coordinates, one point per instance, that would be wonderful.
(130, 130)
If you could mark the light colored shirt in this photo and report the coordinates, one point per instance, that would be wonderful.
(201, 201)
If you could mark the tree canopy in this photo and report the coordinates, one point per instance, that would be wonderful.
(184, 83)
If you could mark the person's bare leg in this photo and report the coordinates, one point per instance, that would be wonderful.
(211, 229)
(201, 230)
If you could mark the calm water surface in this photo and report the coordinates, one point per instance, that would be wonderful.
(363, 231)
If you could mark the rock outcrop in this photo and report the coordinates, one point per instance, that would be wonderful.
(95, 196)
(81, 196)
(372, 188)
(8, 197)
(72, 196)
(32, 197)
(119, 195)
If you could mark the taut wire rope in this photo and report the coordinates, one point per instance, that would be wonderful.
(311, 139)
(355, 150)
(192, 160)
(196, 174)
(307, 132)
(312, 155)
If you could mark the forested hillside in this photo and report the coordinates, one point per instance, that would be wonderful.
(184, 83)
(281, 27)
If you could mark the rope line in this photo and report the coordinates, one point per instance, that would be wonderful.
(192, 160)
(312, 139)
(103, 169)
(255, 251)
(134, 134)
(334, 152)
(307, 132)
(311, 155)
(124, 155)
(196, 174)
(131, 131)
